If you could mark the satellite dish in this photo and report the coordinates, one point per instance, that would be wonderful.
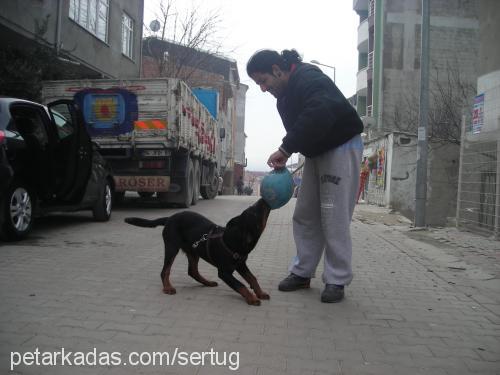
(154, 25)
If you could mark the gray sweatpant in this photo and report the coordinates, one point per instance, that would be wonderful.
(323, 213)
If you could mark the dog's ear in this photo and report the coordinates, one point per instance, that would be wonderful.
(232, 222)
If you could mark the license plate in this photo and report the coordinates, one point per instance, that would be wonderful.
(142, 183)
(155, 153)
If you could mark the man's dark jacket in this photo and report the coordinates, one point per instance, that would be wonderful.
(317, 117)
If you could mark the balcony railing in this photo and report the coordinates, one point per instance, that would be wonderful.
(370, 60)
(371, 8)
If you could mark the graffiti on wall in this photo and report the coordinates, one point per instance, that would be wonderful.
(380, 179)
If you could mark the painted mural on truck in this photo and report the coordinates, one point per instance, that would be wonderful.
(108, 111)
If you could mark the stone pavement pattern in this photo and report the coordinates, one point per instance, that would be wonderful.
(404, 313)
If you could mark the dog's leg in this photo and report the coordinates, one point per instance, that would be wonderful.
(230, 280)
(194, 273)
(245, 272)
(171, 251)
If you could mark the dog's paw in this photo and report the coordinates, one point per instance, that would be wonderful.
(170, 290)
(263, 295)
(255, 302)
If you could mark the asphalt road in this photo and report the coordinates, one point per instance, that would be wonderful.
(93, 289)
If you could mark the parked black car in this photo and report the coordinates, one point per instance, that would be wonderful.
(48, 163)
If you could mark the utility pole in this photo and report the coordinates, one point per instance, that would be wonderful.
(421, 183)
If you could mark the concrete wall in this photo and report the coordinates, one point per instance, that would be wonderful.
(489, 32)
(402, 179)
(82, 46)
(393, 184)
(442, 184)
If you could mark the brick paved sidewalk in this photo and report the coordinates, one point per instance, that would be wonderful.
(398, 316)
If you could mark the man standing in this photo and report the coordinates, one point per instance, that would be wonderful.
(322, 125)
(239, 185)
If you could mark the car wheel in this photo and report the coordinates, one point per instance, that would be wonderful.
(118, 197)
(103, 207)
(18, 212)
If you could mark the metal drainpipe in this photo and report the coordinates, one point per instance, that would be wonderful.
(380, 103)
(140, 43)
(58, 27)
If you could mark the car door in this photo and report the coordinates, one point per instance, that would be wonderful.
(30, 148)
(73, 151)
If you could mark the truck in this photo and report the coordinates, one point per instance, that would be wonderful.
(159, 139)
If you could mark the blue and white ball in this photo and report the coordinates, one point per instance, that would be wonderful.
(276, 188)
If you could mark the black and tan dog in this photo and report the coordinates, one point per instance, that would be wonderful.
(225, 248)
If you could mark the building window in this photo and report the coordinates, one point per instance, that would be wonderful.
(91, 15)
(127, 35)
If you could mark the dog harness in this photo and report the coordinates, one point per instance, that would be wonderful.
(217, 236)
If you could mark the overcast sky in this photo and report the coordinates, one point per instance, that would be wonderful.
(323, 30)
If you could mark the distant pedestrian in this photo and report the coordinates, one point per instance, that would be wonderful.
(322, 125)
(239, 185)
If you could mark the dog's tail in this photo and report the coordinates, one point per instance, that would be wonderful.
(139, 222)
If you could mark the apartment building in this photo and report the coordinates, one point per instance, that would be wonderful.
(388, 97)
(70, 39)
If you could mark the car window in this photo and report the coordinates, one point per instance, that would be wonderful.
(64, 127)
(63, 122)
(11, 126)
(29, 123)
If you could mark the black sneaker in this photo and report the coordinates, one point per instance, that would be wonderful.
(332, 293)
(293, 282)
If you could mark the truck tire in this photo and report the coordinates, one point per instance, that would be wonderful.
(196, 182)
(210, 191)
(187, 193)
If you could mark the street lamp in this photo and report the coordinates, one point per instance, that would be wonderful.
(329, 66)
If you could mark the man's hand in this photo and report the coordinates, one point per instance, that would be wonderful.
(277, 160)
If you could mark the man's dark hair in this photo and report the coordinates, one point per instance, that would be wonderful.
(262, 61)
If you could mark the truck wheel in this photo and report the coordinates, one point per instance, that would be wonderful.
(210, 191)
(18, 212)
(187, 194)
(103, 206)
(196, 182)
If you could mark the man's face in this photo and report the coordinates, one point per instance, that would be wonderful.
(274, 83)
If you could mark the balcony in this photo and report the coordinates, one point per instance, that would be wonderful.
(363, 36)
(358, 5)
(362, 82)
